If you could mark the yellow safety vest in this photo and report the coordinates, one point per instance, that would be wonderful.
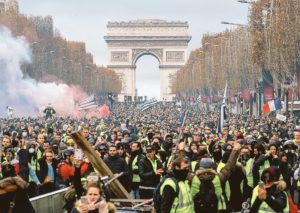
(218, 190)
(184, 202)
(193, 165)
(135, 177)
(249, 174)
(264, 207)
(35, 166)
(264, 166)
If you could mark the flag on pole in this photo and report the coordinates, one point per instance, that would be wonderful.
(148, 104)
(88, 103)
(268, 85)
(245, 90)
(222, 112)
(272, 105)
(182, 117)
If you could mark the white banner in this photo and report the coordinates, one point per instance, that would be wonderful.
(281, 117)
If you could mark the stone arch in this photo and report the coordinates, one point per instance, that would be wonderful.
(128, 41)
(146, 52)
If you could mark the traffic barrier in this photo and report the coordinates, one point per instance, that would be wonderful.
(49, 203)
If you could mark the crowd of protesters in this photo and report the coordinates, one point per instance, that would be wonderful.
(252, 164)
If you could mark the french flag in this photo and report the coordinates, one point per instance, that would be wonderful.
(272, 105)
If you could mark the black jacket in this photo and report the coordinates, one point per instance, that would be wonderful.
(147, 174)
(275, 199)
(117, 165)
(42, 174)
(274, 162)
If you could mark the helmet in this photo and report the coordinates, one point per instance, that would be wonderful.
(289, 144)
(227, 147)
(68, 152)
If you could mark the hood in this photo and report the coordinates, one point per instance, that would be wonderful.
(206, 174)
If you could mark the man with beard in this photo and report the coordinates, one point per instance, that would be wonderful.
(135, 157)
(117, 165)
(149, 135)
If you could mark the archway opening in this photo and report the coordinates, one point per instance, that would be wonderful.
(147, 77)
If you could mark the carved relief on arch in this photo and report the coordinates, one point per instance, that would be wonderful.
(119, 56)
(136, 53)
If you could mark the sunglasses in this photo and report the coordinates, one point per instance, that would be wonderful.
(93, 178)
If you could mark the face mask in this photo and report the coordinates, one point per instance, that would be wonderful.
(24, 134)
(31, 150)
(134, 152)
(181, 174)
(156, 146)
(217, 156)
(150, 136)
(245, 157)
(225, 157)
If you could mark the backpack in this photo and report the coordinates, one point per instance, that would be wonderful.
(157, 197)
(206, 199)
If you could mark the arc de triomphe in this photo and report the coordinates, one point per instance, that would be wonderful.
(128, 41)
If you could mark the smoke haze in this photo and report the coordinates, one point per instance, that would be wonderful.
(25, 95)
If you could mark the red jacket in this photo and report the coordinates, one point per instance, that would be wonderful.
(66, 171)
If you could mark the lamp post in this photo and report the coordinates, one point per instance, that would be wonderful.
(235, 24)
(245, 1)
(260, 91)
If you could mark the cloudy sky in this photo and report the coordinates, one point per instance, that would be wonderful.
(86, 21)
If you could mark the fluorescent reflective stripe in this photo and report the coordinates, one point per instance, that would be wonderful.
(264, 166)
(135, 177)
(193, 165)
(154, 164)
(182, 205)
(184, 202)
(248, 169)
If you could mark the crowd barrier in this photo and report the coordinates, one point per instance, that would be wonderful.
(53, 203)
(49, 203)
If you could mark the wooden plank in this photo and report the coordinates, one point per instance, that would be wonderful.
(99, 165)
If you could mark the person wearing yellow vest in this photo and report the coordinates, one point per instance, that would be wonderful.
(247, 163)
(265, 161)
(135, 156)
(235, 192)
(206, 175)
(267, 197)
(183, 203)
(150, 171)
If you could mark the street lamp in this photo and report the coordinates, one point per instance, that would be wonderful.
(244, 1)
(229, 23)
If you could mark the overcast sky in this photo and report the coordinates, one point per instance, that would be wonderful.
(86, 21)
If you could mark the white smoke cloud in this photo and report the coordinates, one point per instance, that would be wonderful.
(25, 95)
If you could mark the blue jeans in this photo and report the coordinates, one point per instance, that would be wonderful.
(134, 194)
